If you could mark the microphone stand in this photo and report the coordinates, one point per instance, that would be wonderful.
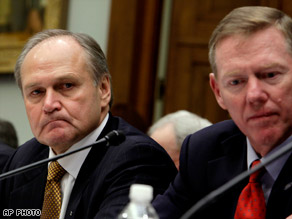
(212, 196)
(114, 137)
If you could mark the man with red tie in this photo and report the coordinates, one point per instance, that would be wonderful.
(250, 53)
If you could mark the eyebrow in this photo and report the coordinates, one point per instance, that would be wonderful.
(231, 74)
(69, 76)
(274, 65)
(30, 85)
(262, 68)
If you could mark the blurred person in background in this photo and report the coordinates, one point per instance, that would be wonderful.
(8, 141)
(8, 134)
(170, 131)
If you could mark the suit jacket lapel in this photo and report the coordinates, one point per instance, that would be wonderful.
(280, 203)
(230, 163)
(33, 186)
(91, 162)
(224, 168)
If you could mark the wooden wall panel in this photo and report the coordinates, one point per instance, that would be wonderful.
(132, 57)
(187, 81)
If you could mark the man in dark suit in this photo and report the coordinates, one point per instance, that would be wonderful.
(5, 152)
(8, 134)
(250, 54)
(8, 141)
(66, 87)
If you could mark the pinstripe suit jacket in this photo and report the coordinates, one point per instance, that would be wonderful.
(102, 185)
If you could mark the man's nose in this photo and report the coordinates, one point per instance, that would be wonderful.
(51, 102)
(256, 93)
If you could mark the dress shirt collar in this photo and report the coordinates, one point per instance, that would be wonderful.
(275, 167)
(73, 162)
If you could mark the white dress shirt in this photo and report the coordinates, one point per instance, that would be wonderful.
(73, 163)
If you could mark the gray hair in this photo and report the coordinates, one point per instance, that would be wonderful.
(184, 123)
(246, 21)
(95, 57)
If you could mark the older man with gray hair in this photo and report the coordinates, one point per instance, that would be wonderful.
(170, 131)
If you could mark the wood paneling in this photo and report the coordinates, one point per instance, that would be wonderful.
(187, 85)
(132, 54)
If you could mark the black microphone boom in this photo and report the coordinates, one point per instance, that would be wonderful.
(114, 137)
(213, 196)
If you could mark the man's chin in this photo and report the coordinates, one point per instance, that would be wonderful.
(267, 138)
(57, 142)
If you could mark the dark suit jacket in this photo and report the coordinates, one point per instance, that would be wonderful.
(5, 152)
(102, 185)
(209, 159)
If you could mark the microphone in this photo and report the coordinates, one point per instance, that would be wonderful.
(214, 195)
(114, 138)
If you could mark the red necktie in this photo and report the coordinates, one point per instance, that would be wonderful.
(251, 203)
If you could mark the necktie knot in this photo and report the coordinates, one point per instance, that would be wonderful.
(255, 176)
(56, 171)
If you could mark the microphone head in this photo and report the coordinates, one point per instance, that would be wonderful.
(115, 137)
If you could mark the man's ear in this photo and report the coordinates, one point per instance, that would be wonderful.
(216, 90)
(105, 90)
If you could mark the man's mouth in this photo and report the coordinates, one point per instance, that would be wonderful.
(261, 116)
(54, 123)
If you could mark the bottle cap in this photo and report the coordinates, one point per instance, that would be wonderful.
(141, 192)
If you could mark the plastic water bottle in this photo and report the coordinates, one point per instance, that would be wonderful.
(139, 206)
